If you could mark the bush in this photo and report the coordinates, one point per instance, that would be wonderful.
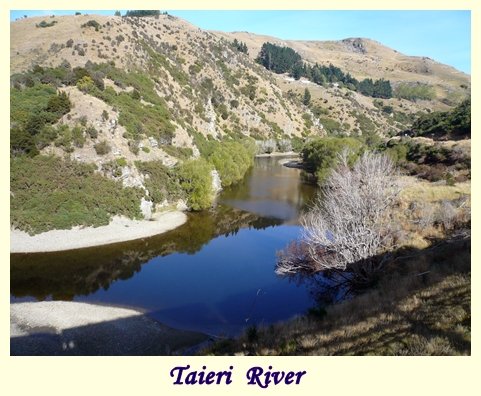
(45, 24)
(92, 23)
(350, 227)
(195, 179)
(51, 193)
(231, 160)
(102, 148)
(161, 183)
(92, 132)
(320, 156)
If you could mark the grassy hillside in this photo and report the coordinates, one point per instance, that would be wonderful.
(151, 102)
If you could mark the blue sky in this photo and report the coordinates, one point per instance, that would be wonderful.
(442, 35)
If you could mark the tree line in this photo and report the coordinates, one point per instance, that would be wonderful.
(285, 60)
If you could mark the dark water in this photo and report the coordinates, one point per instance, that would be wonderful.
(214, 274)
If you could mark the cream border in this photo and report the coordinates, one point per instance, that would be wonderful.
(326, 375)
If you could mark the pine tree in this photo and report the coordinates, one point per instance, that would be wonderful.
(307, 97)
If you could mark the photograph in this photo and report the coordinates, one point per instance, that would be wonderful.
(240, 183)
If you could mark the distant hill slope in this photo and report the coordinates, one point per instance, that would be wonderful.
(363, 58)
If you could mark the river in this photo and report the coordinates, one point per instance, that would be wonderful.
(214, 274)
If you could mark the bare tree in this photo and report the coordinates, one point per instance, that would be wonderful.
(349, 227)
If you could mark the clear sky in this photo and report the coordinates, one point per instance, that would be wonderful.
(444, 36)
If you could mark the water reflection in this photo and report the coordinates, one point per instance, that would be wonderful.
(213, 274)
(64, 275)
(271, 190)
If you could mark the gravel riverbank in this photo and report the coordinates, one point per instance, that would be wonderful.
(120, 229)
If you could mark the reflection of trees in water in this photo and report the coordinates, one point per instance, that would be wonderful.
(64, 275)
(270, 181)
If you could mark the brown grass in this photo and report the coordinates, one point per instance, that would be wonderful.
(421, 306)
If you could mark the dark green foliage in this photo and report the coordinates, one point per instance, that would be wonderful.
(117, 13)
(432, 162)
(22, 143)
(454, 124)
(142, 13)
(320, 156)
(331, 126)
(135, 94)
(306, 100)
(92, 23)
(46, 136)
(133, 115)
(240, 46)
(32, 110)
(50, 193)
(162, 182)
(285, 60)
(387, 109)
(45, 24)
(24, 103)
(277, 59)
(249, 90)
(59, 104)
(377, 89)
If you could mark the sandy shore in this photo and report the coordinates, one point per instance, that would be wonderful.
(73, 328)
(119, 230)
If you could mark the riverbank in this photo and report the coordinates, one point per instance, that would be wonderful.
(275, 154)
(73, 328)
(421, 308)
(120, 229)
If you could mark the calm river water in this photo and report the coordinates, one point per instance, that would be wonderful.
(214, 274)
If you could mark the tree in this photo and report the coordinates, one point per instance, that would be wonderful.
(349, 228)
(307, 97)
(117, 13)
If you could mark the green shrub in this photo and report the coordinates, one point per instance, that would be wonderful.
(92, 23)
(414, 91)
(320, 156)
(231, 159)
(195, 179)
(22, 143)
(47, 135)
(451, 124)
(78, 138)
(182, 153)
(92, 132)
(50, 193)
(162, 182)
(102, 148)
(45, 24)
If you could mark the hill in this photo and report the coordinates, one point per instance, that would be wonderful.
(158, 111)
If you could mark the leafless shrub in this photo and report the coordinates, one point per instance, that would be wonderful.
(349, 227)
(452, 215)
(424, 214)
